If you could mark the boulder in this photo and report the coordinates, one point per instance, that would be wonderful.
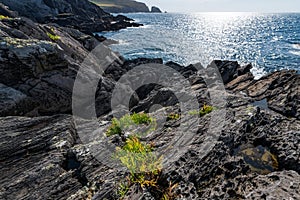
(230, 70)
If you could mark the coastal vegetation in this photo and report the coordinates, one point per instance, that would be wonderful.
(203, 111)
(145, 169)
(121, 6)
(53, 37)
(118, 126)
(4, 17)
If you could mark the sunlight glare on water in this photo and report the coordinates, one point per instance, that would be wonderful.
(268, 41)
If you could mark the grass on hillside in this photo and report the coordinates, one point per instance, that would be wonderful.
(106, 4)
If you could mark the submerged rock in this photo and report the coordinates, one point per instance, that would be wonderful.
(259, 159)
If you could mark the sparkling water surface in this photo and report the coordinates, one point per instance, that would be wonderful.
(269, 41)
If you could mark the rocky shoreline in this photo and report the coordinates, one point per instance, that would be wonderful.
(256, 156)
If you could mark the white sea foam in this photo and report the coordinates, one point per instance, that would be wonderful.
(296, 46)
(297, 53)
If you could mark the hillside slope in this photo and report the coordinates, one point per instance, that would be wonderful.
(79, 14)
(121, 6)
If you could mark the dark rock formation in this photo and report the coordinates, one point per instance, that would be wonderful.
(36, 156)
(155, 9)
(282, 96)
(41, 68)
(79, 14)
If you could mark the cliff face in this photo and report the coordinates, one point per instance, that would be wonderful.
(121, 6)
(79, 14)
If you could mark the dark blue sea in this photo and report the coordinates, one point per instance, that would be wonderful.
(269, 41)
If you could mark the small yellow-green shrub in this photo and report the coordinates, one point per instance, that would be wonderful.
(143, 165)
(126, 121)
(4, 17)
(203, 111)
(173, 116)
(53, 37)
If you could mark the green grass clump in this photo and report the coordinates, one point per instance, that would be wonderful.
(53, 37)
(144, 169)
(126, 121)
(173, 116)
(143, 165)
(115, 128)
(139, 159)
(203, 111)
(4, 17)
(123, 189)
(141, 118)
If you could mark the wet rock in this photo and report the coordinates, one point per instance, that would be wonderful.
(281, 89)
(277, 185)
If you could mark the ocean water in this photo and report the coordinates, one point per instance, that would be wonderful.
(269, 41)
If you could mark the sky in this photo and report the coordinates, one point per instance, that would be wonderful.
(225, 5)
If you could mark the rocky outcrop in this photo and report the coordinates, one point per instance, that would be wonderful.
(155, 9)
(79, 14)
(121, 6)
(41, 67)
(47, 155)
(281, 95)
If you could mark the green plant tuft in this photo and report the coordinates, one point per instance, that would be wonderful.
(141, 118)
(4, 17)
(203, 111)
(122, 189)
(138, 158)
(173, 116)
(143, 165)
(127, 121)
(115, 128)
(53, 37)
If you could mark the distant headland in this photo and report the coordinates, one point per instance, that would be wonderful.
(124, 6)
